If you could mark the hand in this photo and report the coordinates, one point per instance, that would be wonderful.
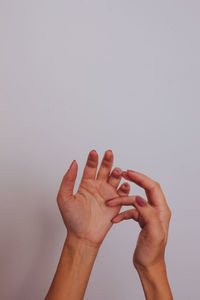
(85, 214)
(153, 217)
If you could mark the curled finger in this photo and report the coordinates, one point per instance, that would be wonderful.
(126, 215)
(122, 200)
(124, 189)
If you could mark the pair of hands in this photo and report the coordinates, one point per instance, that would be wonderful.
(89, 214)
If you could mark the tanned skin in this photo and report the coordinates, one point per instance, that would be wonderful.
(90, 213)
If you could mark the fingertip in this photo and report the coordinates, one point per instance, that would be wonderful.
(75, 165)
(116, 172)
(108, 154)
(115, 221)
(72, 166)
(125, 186)
(93, 154)
(140, 201)
(72, 171)
(93, 150)
(109, 151)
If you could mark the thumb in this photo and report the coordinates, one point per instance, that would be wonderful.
(68, 182)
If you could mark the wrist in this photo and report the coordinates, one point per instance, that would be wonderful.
(154, 281)
(74, 243)
(152, 268)
(154, 274)
(74, 268)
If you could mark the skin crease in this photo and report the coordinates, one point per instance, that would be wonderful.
(85, 214)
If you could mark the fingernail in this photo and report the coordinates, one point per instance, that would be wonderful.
(108, 154)
(93, 150)
(118, 171)
(72, 163)
(126, 185)
(140, 201)
(91, 153)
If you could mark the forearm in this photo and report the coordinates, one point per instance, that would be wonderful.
(155, 283)
(73, 271)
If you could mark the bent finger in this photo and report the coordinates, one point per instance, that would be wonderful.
(152, 188)
(124, 189)
(126, 215)
(147, 212)
(123, 200)
(115, 177)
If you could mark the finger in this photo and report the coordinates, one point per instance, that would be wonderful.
(91, 166)
(152, 188)
(122, 200)
(124, 189)
(115, 177)
(68, 181)
(125, 175)
(147, 212)
(106, 166)
(126, 215)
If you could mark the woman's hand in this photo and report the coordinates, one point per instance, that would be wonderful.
(85, 214)
(87, 220)
(153, 217)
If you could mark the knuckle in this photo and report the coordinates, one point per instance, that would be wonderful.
(106, 163)
(157, 184)
(162, 238)
(158, 237)
(58, 195)
(155, 215)
(169, 213)
(90, 163)
(59, 198)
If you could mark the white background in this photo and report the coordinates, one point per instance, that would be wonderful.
(83, 75)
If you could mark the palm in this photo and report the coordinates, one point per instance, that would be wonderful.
(85, 213)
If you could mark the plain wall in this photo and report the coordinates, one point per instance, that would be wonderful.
(83, 75)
